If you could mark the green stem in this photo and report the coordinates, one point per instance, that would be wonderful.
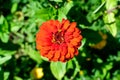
(77, 69)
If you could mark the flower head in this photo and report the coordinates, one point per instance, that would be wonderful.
(37, 73)
(100, 45)
(58, 41)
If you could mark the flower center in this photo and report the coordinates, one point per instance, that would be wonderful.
(58, 37)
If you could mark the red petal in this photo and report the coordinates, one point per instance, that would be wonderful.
(50, 54)
(66, 25)
(71, 51)
(72, 27)
(68, 56)
(76, 52)
(56, 56)
(62, 58)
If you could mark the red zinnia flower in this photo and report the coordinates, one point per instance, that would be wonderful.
(58, 41)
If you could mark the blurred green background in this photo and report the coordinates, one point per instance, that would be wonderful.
(99, 54)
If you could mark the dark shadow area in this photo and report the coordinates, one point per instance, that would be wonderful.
(8, 46)
(90, 61)
(5, 7)
(78, 15)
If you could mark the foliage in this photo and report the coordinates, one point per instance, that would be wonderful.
(99, 55)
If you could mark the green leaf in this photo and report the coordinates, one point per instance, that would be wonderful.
(61, 15)
(65, 9)
(66, 78)
(110, 4)
(104, 72)
(110, 23)
(4, 59)
(56, 0)
(6, 75)
(97, 73)
(69, 65)
(109, 18)
(99, 7)
(33, 54)
(109, 66)
(108, 76)
(17, 78)
(3, 25)
(1, 19)
(112, 28)
(14, 27)
(4, 37)
(30, 38)
(99, 60)
(62, 12)
(44, 14)
(58, 69)
(14, 7)
(6, 52)
(4, 34)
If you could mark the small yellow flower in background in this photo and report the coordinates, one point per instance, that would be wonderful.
(104, 36)
(100, 45)
(81, 72)
(37, 73)
(88, 59)
(19, 15)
